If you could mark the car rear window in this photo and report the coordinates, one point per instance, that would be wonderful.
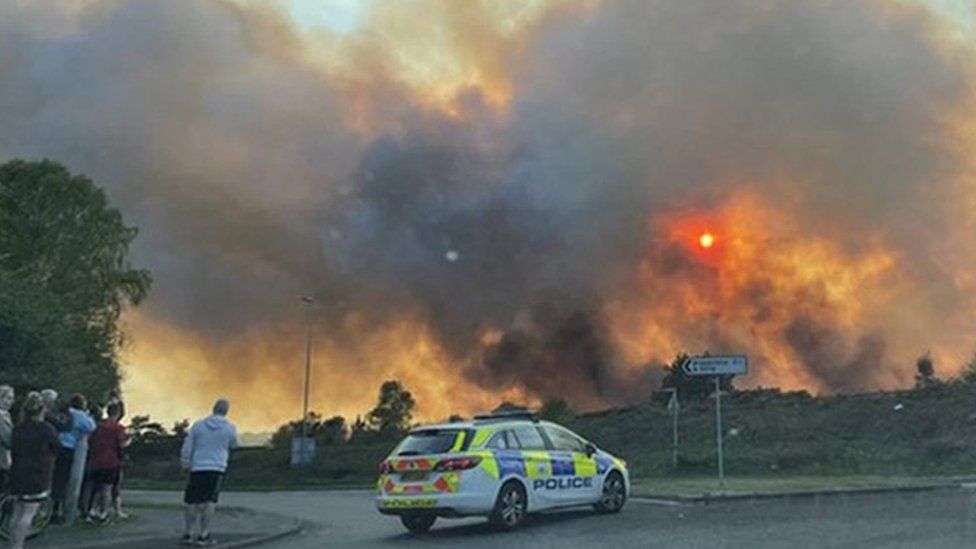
(430, 441)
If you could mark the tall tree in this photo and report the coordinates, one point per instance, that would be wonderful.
(394, 410)
(64, 279)
(925, 371)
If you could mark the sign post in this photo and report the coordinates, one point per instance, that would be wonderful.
(717, 366)
(674, 407)
(718, 431)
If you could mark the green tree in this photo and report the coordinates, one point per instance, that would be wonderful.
(969, 371)
(64, 279)
(333, 431)
(691, 387)
(181, 428)
(393, 411)
(557, 410)
(925, 371)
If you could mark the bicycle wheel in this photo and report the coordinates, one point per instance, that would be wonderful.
(41, 519)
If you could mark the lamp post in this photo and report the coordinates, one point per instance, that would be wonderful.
(303, 447)
(308, 301)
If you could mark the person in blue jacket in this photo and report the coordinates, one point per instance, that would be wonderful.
(74, 447)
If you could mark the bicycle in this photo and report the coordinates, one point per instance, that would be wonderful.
(41, 520)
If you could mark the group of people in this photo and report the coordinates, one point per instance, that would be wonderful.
(74, 455)
(70, 454)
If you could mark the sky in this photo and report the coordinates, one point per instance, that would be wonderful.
(506, 200)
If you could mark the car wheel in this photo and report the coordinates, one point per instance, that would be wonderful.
(614, 494)
(510, 507)
(418, 523)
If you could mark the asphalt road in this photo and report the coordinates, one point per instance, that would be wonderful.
(944, 518)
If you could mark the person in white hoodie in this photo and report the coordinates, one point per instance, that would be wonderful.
(205, 454)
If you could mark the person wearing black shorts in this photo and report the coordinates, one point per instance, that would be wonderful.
(205, 453)
(107, 445)
(203, 487)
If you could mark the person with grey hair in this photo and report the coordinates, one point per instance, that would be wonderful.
(205, 453)
(6, 431)
(54, 413)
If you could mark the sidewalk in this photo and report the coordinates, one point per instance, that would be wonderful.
(152, 527)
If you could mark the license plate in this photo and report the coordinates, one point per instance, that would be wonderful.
(414, 476)
(409, 503)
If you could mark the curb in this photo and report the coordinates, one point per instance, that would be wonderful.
(294, 530)
(248, 542)
(295, 527)
(718, 498)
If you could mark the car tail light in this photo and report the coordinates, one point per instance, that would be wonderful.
(457, 464)
(386, 468)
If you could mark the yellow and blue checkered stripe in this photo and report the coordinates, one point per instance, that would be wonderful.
(543, 464)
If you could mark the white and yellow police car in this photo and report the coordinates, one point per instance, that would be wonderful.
(502, 466)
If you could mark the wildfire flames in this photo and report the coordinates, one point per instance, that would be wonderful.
(515, 201)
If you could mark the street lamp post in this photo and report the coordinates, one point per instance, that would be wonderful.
(303, 447)
(308, 301)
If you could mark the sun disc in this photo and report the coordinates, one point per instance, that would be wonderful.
(706, 240)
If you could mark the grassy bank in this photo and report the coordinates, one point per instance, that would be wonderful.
(909, 433)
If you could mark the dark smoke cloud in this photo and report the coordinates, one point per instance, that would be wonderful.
(234, 156)
(831, 357)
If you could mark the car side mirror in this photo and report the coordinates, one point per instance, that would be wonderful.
(590, 449)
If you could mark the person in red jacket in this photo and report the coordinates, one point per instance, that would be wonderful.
(107, 445)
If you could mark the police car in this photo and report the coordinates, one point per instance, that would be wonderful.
(502, 466)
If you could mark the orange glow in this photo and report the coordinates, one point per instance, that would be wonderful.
(172, 374)
(750, 295)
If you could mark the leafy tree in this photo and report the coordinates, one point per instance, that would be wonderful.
(969, 371)
(557, 410)
(332, 431)
(150, 438)
(144, 429)
(180, 428)
(393, 411)
(329, 432)
(64, 279)
(360, 431)
(925, 371)
(691, 387)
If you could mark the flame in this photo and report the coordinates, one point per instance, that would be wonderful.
(687, 297)
(173, 374)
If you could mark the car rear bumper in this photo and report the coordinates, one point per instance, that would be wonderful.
(442, 505)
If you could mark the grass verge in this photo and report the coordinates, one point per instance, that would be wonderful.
(698, 487)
